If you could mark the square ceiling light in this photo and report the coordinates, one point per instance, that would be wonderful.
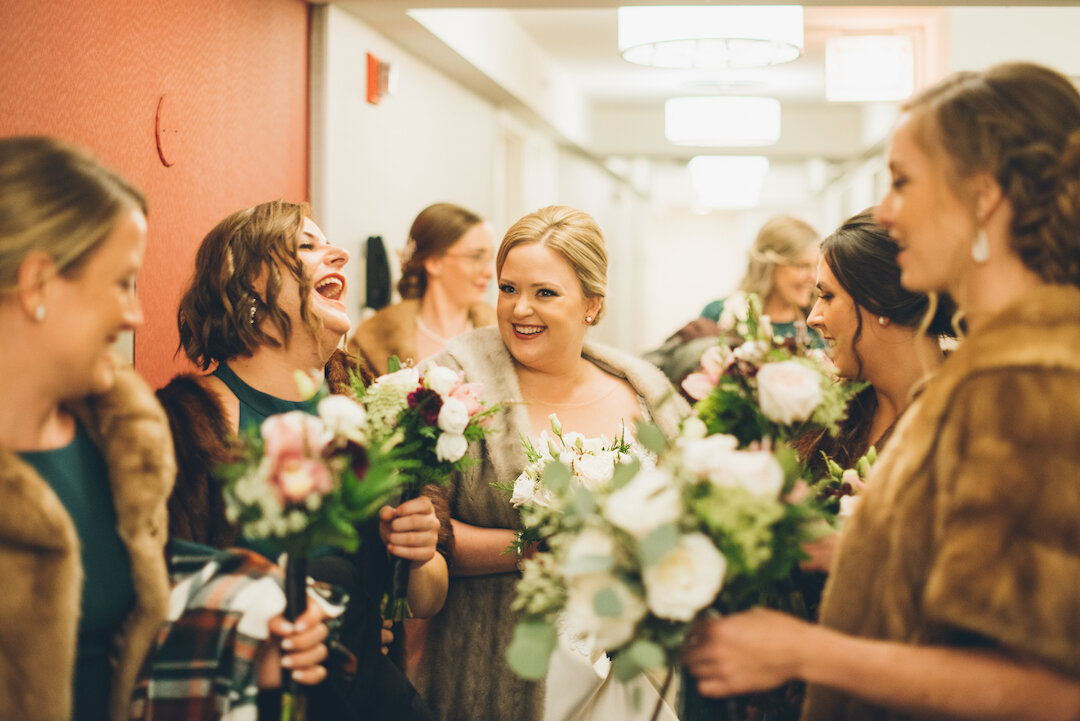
(724, 121)
(869, 68)
(728, 182)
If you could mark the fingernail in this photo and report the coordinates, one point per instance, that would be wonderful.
(287, 644)
(286, 627)
(287, 662)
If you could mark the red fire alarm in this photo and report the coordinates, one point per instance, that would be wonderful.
(381, 79)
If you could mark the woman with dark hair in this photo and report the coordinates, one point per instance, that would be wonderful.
(266, 302)
(955, 588)
(445, 270)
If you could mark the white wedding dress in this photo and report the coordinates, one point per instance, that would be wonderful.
(580, 685)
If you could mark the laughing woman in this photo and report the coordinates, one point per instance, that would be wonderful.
(955, 589)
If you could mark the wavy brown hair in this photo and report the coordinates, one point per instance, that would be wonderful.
(244, 251)
(1021, 123)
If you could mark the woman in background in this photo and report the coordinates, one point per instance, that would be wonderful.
(445, 271)
(86, 458)
(552, 268)
(955, 588)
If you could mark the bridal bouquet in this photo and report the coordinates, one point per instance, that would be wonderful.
(766, 387)
(429, 417)
(838, 490)
(301, 481)
(632, 565)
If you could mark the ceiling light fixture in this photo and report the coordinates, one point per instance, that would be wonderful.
(730, 36)
(728, 182)
(869, 68)
(724, 121)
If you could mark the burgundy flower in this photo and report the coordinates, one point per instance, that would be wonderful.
(358, 459)
(429, 404)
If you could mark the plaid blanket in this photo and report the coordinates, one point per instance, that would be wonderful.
(202, 667)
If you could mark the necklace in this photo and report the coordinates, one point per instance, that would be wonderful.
(420, 326)
(570, 406)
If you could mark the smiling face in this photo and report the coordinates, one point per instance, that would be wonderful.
(323, 264)
(88, 311)
(794, 283)
(836, 317)
(541, 307)
(465, 270)
(931, 224)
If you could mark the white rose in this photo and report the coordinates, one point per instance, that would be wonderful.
(344, 417)
(451, 447)
(406, 378)
(453, 416)
(650, 500)
(595, 471)
(757, 471)
(590, 546)
(701, 456)
(788, 391)
(595, 445)
(524, 488)
(442, 380)
(611, 631)
(686, 579)
(752, 351)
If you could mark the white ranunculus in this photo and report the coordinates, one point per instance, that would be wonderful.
(590, 545)
(610, 632)
(451, 447)
(595, 471)
(757, 471)
(648, 501)
(686, 579)
(343, 417)
(453, 416)
(752, 351)
(788, 391)
(701, 456)
(442, 380)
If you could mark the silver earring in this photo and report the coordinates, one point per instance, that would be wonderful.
(39, 313)
(980, 249)
(881, 320)
(252, 318)
(588, 319)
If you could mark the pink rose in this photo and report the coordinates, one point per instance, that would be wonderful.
(293, 434)
(698, 385)
(469, 394)
(298, 478)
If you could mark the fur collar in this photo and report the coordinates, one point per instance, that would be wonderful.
(392, 331)
(130, 429)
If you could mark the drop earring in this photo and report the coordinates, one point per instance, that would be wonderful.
(39, 313)
(252, 314)
(980, 249)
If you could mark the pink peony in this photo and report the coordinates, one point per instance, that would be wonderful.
(698, 385)
(469, 394)
(298, 478)
(293, 434)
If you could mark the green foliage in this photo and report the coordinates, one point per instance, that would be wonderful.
(650, 436)
(639, 656)
(530, 649)
(658, 543)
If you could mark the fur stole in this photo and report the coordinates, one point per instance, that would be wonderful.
(40, 561)
(392, 331)
(479, 684)
(966, 534)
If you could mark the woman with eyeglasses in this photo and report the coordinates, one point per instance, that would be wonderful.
(445, 270)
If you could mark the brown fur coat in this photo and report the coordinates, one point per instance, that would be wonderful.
(464, 675)
(40, 563)
(968, 532)
(392, 331)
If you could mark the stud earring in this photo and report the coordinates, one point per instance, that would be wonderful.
(588, 319)
(980, 249)
(882, 320)
(39, 313)
(252, 315)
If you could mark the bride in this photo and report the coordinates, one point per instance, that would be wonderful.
(552, 275)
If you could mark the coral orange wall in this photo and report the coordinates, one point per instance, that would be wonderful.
(230, 78)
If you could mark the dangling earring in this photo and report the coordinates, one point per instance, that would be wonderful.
(39, 313)
(882, 320)
(252, 315)
(980, 249)
(588, 319)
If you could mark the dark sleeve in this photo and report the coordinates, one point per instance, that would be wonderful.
(713, 310)
(196, 506)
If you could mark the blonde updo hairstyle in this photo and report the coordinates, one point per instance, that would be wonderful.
(59, 199)
(783, 240)
(575, 236)
(1021, 123)
(433, 232)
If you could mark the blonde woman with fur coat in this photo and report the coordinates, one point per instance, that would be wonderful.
(552, 274)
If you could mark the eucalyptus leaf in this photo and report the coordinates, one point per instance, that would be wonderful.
(657, 544)
(607, 604)
(650, 436)
(556, 476)
(624, 473)
(588, 564)
(530, 649)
